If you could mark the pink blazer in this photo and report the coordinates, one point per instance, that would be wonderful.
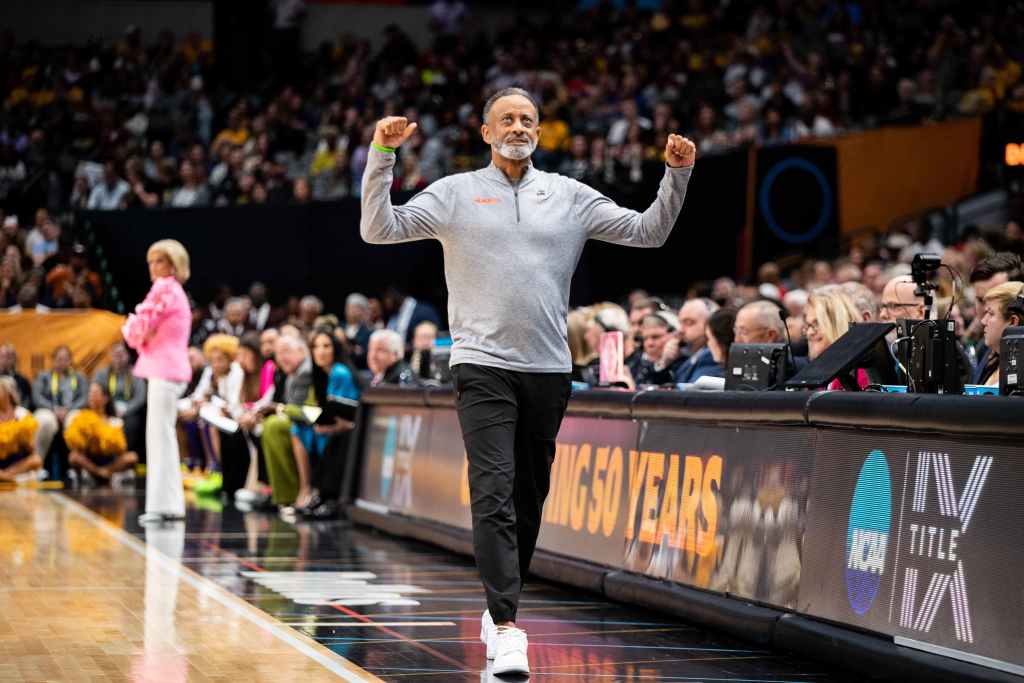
(159, 330)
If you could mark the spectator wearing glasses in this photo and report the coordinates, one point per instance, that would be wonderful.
(899, 302)
(759, 323)
(653, 367)
(827, 317)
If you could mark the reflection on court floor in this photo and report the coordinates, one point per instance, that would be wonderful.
(231, 596)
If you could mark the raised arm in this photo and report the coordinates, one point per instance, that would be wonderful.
(422, 217)
(605, 220)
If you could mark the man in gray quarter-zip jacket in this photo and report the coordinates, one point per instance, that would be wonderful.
(512, 236)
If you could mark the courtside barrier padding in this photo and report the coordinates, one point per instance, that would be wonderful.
(824, 523)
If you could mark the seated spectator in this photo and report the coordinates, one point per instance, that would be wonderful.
(1002, 309)
(759, 322)
(127, 393)
(239, 450)
(28, 300)
(66, 280)
(310, 308)
(423, 339)
(236, 317)
(192, 191)
(719, 333)
(56, 393)
(405, 313)
(653, 367)
(18, 453)
(9, 368)
(96, 438)
(384, 359)
(691, 344)
(44, 244)
(827, 317)
(11, 280)
(260, 310)
(863, 299)
(606, 317)
(293, 358)
(899, 301)
(268, 344)
(111, 192)
(221, 388)
(320, 466)
(582, 350)
(357, 330)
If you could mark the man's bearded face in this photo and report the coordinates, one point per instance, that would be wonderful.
(512, 127)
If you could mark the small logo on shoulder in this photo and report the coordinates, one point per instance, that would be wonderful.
(486, 200)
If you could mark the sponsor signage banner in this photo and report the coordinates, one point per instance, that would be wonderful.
(720, 508)
(919, 538)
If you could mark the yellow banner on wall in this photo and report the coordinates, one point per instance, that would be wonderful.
(892, 172)
(88, 333)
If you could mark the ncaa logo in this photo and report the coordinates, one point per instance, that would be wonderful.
(867, 536)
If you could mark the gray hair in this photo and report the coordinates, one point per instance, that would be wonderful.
(767, 315)
(862, 297)
(310, 300)
(242, 301)
(296, 343)
(506, 92)
(357, 299)
(391, 339)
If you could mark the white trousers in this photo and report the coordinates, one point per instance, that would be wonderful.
(46, 431)
(164, 491)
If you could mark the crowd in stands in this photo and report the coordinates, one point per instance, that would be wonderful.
(129, 124)
(143, 121)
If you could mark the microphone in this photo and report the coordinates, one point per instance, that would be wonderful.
(789, 340)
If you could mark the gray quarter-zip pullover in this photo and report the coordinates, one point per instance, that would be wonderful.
(510, 250)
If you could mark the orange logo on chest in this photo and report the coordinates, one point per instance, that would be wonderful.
(486, 200)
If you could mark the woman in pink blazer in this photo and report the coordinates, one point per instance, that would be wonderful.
(159, 331)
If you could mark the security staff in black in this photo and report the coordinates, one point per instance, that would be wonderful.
(512, 236)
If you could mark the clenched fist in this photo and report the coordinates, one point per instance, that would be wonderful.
(679, 151)
(392, 131)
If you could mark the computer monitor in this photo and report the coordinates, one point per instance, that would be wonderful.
(756, 367)
(863, 346)
(1011, 362)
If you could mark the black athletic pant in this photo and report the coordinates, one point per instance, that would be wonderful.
(509, 423)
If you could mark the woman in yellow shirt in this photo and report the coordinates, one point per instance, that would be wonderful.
(96, 437)
(17, 435)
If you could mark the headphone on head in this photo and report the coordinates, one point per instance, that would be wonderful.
(1017, 306)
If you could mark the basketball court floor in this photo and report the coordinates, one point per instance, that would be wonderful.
(88, 595)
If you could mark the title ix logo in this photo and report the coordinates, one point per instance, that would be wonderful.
(933, 543)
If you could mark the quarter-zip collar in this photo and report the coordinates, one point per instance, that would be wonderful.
(495, 173)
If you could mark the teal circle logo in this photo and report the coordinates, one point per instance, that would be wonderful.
(867, 536)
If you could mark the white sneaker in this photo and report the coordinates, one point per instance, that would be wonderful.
(488, 633)
(510, 652)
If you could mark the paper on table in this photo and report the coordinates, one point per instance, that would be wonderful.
(312, 413)
(214, 416)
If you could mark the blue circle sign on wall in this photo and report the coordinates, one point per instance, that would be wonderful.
(765, 200)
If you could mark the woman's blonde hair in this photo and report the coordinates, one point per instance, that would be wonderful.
(176, 254)
(835, 312)
(225, 343)
(1003, 295)
(576, 326)
(10, 387)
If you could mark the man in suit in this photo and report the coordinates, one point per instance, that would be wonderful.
(405, 313)
(691, 344)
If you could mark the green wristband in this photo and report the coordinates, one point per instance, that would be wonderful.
(382, 148)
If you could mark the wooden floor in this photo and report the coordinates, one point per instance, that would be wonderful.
(86, 594)
(82, 600)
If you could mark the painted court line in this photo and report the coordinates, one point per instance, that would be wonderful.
(334, 663)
